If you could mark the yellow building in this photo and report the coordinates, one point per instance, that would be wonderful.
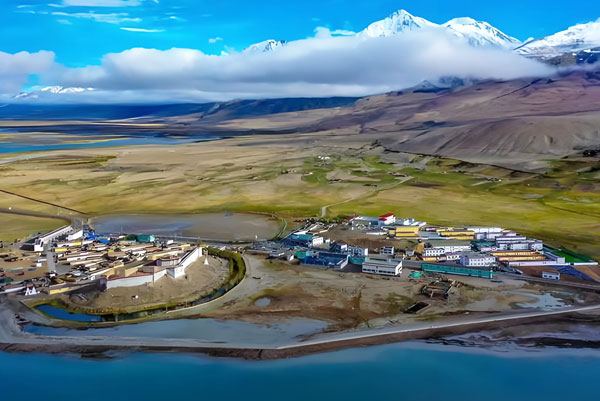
(515, 253)
(452, 233)
(520, 258)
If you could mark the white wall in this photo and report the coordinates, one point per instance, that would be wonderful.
(135, 281)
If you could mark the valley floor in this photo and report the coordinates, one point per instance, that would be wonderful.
(296, 176)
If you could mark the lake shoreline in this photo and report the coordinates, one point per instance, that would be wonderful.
(13, 340)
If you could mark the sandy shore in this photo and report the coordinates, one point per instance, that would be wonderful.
(12, 339)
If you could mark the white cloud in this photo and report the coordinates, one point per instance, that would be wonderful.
(16, 68)
(325, 65)
(322, 32)
(142, 30)
(215, 40)
(111, 18)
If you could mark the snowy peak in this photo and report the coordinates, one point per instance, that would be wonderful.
(50, 91)
(480, 33)
(575, 39)
(265, 46)
(400, 21)
(476, 33)
(62, 90)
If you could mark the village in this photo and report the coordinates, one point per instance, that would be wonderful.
(68, 259)
(386, 244)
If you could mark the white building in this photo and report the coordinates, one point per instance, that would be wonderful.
(189, 258)
(358, 252)
(510, 238)
(44, 239)
(453, 256)
(410, 222)
(443, 247)
(558, 259)
(485, 230)
(387, 250)
(317, 240)
(477, 259)
(551, 275)
(365, 221)
(75, 235)
(384, 266)
(521, 245)
(386, 219)
(431, 252)
(134, 280)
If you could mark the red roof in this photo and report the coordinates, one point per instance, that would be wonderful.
(385, 216)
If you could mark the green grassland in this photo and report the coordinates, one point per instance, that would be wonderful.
(17, 227)
(560, 205)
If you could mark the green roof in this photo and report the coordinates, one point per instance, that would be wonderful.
(458, 270)
(301, 255)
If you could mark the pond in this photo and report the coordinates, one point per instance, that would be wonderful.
(59, 313)
(210, 330)
(210, 226)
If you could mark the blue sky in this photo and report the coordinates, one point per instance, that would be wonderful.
(80, 32)
(141, 51)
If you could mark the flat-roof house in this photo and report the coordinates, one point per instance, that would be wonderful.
(386, 219)
(383, 266)
(471, 259)
(551, 275)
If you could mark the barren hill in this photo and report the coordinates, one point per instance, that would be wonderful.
(496, 121)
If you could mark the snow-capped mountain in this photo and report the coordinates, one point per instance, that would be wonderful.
(49, 91)
(400, 21)
(480, 33)
(63, 90)
(476, 33)
(578, 38)
(575, 39)
(265, 46)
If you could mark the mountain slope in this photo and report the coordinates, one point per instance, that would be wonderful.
(575, 39)
(512, 122)
(265, 46)
(399, 21)
(478, 33)
(475, 33)
(210, 111)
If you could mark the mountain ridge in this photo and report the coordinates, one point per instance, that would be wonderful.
(577, 38)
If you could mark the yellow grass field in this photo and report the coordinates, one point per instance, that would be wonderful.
(295, 176)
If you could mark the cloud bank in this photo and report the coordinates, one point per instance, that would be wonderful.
(15, 69)
(326, 65)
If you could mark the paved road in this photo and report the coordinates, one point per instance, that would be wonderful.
(405, 329)
(562, 283)
(10, 335)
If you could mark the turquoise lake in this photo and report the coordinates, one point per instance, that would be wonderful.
(408, 371)
(17, 147)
